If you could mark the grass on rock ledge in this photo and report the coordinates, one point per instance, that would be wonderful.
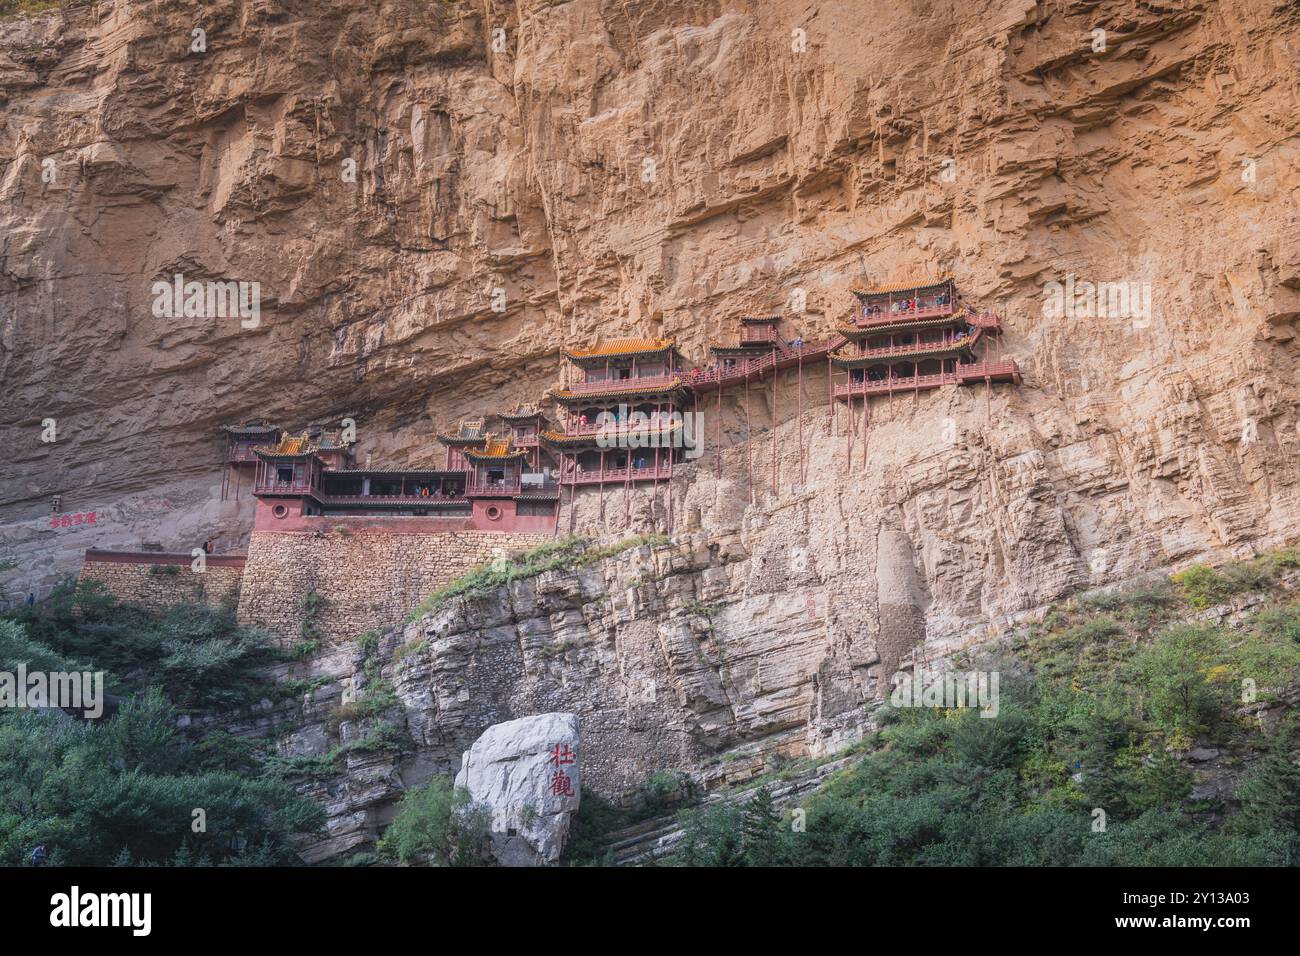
(565, 554)
(13, 8)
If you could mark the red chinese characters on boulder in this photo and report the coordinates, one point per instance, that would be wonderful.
(561, 783)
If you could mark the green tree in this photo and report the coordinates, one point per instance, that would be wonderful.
(1173, 673)
(761, 830)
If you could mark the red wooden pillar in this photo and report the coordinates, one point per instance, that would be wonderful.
(850, 431)
(669, 490)
(866, 421)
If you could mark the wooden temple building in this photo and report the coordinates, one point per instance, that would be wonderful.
(240, 462)
(620, 407)
(489, 482)
(913, 336)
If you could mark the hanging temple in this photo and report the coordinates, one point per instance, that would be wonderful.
(621, 417)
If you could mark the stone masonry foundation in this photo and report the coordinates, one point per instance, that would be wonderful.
(363, 580)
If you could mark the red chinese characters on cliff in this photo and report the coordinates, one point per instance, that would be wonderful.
(68, 521)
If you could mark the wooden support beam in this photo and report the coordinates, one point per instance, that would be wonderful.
(749, 440)
(776, 481)
(802, 476)
(717, 455)
(866, 421)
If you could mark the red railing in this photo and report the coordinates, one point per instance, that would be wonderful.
(624, 384)
(1002, 369)
(610, 475)
(483, 486)
(547, 487)
(283, 488)
(392, 499)
(614, 428)
(947, 342)
(869, 315)
(775, 358)
(896, 383)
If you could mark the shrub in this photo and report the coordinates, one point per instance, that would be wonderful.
(662, 790)
(438, 824)
(1204, 586)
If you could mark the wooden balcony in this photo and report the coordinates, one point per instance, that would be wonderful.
(896, 383)
(428, 501)
(303, 487)
(613, 429)
(483, 487)
(624, 384)
(1001, 370)
(947, 343)
(786, 356)
(995, 370)
(870, 316)
(618, 475)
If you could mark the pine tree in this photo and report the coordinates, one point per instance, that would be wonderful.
(760, 825)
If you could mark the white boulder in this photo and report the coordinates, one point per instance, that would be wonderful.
(527, 773)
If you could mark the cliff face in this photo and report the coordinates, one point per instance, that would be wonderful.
(535, 174)
(665, 655)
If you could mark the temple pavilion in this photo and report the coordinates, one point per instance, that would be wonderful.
(618, 413)
(239, 460)
(917, 335)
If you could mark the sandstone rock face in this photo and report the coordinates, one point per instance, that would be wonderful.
(662, 169)
(659, 168)
(527, 771)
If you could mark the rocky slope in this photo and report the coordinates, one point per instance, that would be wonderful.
(667, 662)
(649, 167)
(662, 661)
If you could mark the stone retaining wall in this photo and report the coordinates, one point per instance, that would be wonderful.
(365, 580)
(158, 580)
